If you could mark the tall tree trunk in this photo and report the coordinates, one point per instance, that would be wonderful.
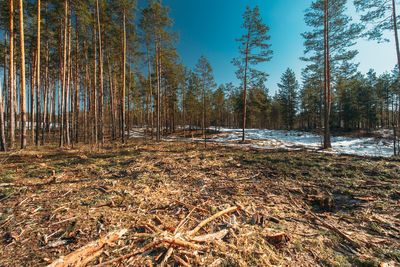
(203, 100)
(46, 100)
(12, 79)
(101, 104)
(396, 35)
(246, 59)
(23, 84)
(38, 110)
(327, 86)
(33, 86)
(95, 115)
(64, 70)
(112, 99)
(77, 84)
(5, 85)
(68, 83)
(87, 94)
(150, 90)
(123, 80)
(2, 133)
(129, 96)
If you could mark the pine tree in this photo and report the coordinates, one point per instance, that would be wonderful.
(204, 71)
(253, 49)
(381, 16)
(23, 83)
(329, 42)
(288, 97)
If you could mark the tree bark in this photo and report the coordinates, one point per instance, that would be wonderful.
(123, 80)
(245, 86)
(327, 86)
(68, 101)
(101, 77)
(23, 84)
(95, 115)
(12, 79)
(2, 133)
(396, 35)
(64, 69)
(38, 110)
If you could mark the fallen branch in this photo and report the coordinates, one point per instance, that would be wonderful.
(210, 237)
(215, 216)
(181, 243)
(170, 240)
(80, 254)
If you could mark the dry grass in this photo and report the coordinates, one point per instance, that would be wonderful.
(55, 201)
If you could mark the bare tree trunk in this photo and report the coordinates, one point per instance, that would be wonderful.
(123, 80)
(396, 35)
(77, 84)
(327, 91)
(33, 86)
(87, 94)
(95, 133)
(112, 99)
(46, 118)
(204, 112)
(12, 79)
(2, 133)
(150, 91)
(245, 86)
(101, 104)
(23, 84)
(64, 70)
(38, 109)
(68, 83)
(129, 96)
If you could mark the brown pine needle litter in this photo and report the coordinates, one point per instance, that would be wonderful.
(178, 204)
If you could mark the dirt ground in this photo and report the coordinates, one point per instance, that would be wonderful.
(185, 205)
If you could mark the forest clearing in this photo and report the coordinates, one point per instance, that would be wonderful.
(199, 133)
(284, 207)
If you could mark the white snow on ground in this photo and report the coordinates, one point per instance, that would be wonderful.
(292, 140)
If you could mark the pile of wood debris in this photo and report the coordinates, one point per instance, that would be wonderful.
(177, 204)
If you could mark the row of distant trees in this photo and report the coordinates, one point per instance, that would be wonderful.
(90, 70)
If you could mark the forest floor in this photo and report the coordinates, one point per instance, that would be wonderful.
(253, 207)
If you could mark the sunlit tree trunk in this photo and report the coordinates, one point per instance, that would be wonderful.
(23, 84)
(2, 133)
(77, 86)
(327, 87)
(38, 100)
(64, 70)
(32, 98)
(101, 77)
(95, 114)
(12, 79)
(396, 35)
(68, 83)
(123, 80)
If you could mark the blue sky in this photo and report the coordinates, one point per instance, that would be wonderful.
(210, 27)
